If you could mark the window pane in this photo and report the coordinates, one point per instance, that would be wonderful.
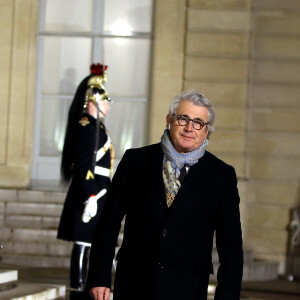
(66, 63)
(53, 124)
(123, 17)
(69, 15)
(128, 61)
(126, 124)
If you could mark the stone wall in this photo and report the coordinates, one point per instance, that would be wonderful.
(244, 56)
(273, 130)
(18, 22)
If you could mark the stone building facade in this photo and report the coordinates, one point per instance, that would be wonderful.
(243, 54)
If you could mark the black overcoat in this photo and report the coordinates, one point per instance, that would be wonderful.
(166, 251)
(85, 182)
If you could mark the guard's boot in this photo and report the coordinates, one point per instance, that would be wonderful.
(79, 265)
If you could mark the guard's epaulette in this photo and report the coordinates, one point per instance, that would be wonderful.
(84, 121)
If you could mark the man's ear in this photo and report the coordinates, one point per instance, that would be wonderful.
(206, 131)
(168, 119)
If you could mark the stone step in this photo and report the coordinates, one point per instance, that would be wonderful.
(31, 222)
(37, 248)
(33, 209)
(36, 260)
(260, 270)
(248, 256)
(32, 235)
(8, 279)
(31, 218)
(255, 271)
(37, 254)
(32, 196)
(47, 248)
(30, 291)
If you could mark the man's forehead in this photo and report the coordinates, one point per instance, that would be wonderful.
(190, 109)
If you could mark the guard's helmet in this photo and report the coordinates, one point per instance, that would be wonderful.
(95, 86)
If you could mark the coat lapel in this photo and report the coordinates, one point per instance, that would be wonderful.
(155, 166)
(192, 183)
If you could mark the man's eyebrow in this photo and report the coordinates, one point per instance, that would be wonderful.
(190, 117)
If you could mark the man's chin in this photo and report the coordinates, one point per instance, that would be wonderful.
(185, 148)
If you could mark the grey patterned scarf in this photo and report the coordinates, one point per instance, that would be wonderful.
(174, 162)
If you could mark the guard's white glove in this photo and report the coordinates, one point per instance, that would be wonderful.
(90, 209)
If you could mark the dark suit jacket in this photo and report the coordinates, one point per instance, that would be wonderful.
(166, 252)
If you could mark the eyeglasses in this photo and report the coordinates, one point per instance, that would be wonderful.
(184, 120)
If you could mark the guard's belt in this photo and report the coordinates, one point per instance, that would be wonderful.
(102, 171)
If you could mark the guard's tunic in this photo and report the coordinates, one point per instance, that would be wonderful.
(89, 178)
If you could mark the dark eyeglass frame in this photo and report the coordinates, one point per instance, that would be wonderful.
(188, 119)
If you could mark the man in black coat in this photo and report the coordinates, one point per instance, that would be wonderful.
(175, 196)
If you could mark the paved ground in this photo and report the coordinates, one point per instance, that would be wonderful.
(276, 289)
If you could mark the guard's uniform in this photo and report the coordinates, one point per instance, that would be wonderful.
(88, 179)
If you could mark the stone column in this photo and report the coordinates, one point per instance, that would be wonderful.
(169, 39)
(17, 89)
(217, 64)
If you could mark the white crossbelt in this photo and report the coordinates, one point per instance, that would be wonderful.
(104, 149)
(101, 194)
(102, 171)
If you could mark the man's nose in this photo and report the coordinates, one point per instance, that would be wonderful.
(189, 126)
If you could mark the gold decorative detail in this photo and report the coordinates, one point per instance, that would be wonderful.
(170, 198)
(84, 121)
(112, 157)
(89, 175)
(97, 81)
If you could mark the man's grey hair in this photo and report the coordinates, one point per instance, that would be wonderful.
(197, 99)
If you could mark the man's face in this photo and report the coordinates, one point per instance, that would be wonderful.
(186, 138)
(104, 108)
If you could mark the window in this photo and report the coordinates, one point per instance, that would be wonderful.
(72, 35)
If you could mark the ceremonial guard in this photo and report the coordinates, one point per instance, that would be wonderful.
(86, 164)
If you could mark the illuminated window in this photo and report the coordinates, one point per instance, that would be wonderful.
(72, 35)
